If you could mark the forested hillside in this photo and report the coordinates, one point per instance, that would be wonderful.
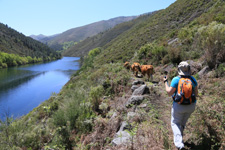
(105, 106)
(71, 37)
(17, 49)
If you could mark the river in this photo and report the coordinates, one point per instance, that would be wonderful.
(25, 87)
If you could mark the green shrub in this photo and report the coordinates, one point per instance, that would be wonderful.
(220, 71)
(152, 51)
(144, 51)
(212, 42)
(95, 95)
(174, 54)
(94, 52)
(4, 65)
(186, 35)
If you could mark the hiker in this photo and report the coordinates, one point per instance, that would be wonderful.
(183, 106)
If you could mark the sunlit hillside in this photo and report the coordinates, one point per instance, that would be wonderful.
(94, 110)
(17, 49)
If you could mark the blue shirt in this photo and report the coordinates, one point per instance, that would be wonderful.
(175, 81)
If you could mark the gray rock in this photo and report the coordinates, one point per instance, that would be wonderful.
(143, 106)
(134, 87)
(172, 41)
(204, 71)
(167, 69)
(121, 137)
(141, 90)
(133, 100)
(195, 66)
(123, 126)
(138, 82)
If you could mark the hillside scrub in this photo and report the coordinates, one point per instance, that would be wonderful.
(90, 109)
(211, 40)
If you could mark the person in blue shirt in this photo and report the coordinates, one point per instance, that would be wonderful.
(180, 113)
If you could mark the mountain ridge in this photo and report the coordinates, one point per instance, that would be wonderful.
(78, 34)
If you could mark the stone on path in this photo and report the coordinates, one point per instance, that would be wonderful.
(134, 100)
(138, 82)
(143, 89)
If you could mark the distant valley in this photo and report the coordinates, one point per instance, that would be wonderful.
(62, 41)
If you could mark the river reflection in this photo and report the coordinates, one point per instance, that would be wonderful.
(24, 88)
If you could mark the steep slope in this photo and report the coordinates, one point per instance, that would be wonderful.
(91, 110)
(164, 24)
(13, 42)
(17, 49)
(80, 33)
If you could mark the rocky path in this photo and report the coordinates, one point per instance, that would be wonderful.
(139, 119)
(146, 106)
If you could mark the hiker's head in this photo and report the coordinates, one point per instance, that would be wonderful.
(184, 69)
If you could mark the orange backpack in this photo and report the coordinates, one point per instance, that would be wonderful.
(185, 91)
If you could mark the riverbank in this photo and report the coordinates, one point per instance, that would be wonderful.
(25, 87)
(10, 60)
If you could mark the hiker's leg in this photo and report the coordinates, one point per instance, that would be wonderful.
(176, 120)
(189, 109)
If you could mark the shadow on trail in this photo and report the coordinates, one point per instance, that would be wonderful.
(208, 143)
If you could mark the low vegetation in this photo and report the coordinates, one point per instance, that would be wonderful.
(83, 114)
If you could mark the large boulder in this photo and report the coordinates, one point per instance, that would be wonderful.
(167, 68)
(134, 100)
(143, 89)
(204, 71)
(195, 66)
(134, 87)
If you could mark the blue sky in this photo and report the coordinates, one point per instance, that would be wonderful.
(50, 17)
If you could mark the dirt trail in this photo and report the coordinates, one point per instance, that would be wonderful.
(150, 135)
(163, 104)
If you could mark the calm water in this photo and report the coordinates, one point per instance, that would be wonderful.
(24, 88)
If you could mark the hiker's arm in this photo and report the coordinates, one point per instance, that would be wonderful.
(170, 90)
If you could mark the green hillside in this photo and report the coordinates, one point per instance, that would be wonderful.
(17, 49)
(92, 107)
(159, 28)
(82, 48)
(80, 33)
